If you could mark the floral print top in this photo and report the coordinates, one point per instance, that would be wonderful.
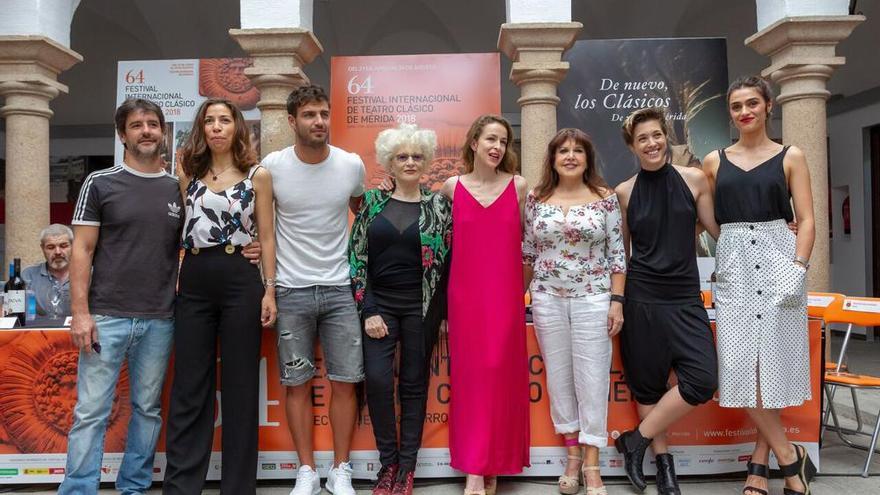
(217, 219)
(573, 254)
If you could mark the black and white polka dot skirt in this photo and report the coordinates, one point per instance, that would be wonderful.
(761, 317)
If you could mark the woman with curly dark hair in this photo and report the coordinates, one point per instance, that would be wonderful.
(220, 296)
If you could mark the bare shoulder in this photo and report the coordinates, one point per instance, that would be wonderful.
(795, 155)
(711, 162)
(625, 188)
(693, 175)
(606, 192)
(262, 174)
(448, 187)
(521, 184)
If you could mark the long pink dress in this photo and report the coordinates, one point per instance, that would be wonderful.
(489, 401)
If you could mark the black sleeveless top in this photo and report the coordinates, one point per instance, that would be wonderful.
(759, 195)
(662, 218)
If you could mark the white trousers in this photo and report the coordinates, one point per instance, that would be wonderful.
(573, 335)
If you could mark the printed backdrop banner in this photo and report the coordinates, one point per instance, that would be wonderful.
(440, 92)
(609, 79)
(180, 86)
(38, 391)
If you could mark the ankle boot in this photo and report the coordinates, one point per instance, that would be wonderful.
(667, 482)
(633, 446)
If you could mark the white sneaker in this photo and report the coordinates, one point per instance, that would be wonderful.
(307, 482)
(339, 480)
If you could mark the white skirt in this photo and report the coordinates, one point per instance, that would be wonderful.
(761, 317)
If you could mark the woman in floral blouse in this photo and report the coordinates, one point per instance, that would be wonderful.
(398, 254)
(575, 267)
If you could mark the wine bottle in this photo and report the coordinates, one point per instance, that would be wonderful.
(15, 295)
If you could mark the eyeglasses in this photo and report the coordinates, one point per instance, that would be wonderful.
(403, 158)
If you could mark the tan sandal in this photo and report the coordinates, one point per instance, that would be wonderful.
(570, 485)
(590, 489)
(474, 492)
(491, 484)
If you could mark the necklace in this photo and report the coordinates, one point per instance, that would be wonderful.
(214, 175)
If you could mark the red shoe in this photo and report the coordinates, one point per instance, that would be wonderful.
(404, 484)
(385, 480)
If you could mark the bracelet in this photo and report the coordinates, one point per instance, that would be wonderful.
(269, 282)
(802, 261)
(618, 298)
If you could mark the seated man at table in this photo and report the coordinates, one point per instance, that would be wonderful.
(49, 280)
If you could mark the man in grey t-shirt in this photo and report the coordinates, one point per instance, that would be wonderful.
(122, 276)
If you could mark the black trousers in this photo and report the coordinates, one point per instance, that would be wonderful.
(219, 296)
(657, 338)
(404, 322)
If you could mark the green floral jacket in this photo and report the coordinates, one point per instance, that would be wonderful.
(435, 230)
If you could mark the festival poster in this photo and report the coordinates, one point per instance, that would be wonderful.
(440, 92)
(38, 392)
(609, 79)
(180, 86)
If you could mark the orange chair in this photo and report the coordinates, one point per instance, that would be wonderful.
(854, 311)
(817, 303)
(707, 299)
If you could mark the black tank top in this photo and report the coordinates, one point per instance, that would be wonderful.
(759, 195)
(662, 218)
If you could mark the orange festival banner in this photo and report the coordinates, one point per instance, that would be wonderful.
(38, 391)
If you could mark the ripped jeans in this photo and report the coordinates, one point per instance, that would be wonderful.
(325, 311)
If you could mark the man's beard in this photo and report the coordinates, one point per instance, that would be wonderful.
(145, 155)
(308, 141)
(59, 263)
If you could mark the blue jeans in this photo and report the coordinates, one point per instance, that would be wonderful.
(146, 343)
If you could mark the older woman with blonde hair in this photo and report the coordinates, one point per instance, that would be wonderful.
(398, 254)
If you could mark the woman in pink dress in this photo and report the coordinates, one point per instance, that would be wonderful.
(489, 402)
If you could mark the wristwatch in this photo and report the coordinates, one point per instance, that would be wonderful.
(804, 262)
(618, 298)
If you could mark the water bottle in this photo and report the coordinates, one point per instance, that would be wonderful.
(31, 306)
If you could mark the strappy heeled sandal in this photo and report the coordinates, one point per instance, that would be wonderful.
(759, 470)
(570, 485)
(491, 484)
(803, 468)
(591, 490)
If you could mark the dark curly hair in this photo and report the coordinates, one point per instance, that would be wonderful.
(195, 157)
(549, 175)
(305, 94)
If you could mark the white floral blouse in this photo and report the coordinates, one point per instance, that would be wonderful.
(573, 254)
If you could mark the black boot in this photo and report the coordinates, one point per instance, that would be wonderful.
(667, 482)
(633, 446)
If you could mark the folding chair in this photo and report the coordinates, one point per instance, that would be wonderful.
(860, 311)
(817, 302)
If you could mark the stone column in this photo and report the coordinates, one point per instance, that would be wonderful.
(29, 66)
(279, 55)
(802, 59)
(536, 51)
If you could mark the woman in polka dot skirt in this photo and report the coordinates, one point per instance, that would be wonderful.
(760, 294)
